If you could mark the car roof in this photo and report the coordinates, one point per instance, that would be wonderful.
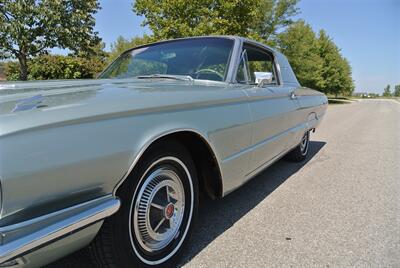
(232, 37)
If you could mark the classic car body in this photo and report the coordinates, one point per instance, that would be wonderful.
(67, 146)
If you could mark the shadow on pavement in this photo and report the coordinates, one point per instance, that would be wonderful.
(216, 216)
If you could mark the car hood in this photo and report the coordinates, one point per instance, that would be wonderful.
(25, 105)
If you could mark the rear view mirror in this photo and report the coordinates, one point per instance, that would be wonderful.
(263, 78)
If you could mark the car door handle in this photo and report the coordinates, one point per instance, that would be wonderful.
(293, 96)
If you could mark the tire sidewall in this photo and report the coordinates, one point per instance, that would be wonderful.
(128, 250)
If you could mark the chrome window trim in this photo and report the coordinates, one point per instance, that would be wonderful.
(1, 199)
(234, 60)
(243, 57)
(232, 57)
(242, 42)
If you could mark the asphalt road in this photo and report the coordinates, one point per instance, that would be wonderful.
(340, 208)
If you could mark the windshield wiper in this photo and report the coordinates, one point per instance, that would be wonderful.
(167, 76)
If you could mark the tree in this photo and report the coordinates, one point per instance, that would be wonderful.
(275, 15)
(347, 86)
(250, 18)
(122, 44)
(397, 90)
(335, 69)
(300, 46)
(386, 91)
(96, 51)
(45, 67)
(30, 27)
(2, 67)
(316, 61)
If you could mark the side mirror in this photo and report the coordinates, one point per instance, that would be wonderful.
(263, 78)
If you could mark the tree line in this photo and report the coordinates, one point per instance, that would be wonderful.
(29, 28)
(388, 93)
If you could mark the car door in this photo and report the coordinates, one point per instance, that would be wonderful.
(272, 107)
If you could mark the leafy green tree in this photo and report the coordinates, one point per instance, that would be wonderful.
(57, 67)
(258, 19)
(335, 69)
(330, 56)
(317, 62)
(2, 70)
(97, 52)
(275, 15)
(30, 27)
(300, 45)
(347, 86)
(397, 90)
(122, 44)
(387, 92)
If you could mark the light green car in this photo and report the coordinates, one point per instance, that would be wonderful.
(118, 162)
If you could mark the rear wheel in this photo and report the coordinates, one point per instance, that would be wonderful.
(159, 202)
(299, 153)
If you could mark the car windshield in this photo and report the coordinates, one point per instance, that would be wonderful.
(199, 58)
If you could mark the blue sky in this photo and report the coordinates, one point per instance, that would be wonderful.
(367, 31)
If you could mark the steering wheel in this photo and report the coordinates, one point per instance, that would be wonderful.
(209, 71)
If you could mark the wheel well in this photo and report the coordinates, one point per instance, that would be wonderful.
(204, 160)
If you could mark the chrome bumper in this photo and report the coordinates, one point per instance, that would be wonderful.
(24, 237)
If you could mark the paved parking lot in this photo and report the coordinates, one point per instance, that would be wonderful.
(339, 208)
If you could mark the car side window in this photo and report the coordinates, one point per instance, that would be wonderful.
(255, 60)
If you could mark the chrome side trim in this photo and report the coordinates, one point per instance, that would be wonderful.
(97, 210)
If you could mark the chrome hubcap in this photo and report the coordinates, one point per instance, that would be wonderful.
(159, 209)
(304, 144)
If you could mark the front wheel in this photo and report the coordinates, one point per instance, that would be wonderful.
(159, 202)
(299, 153)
